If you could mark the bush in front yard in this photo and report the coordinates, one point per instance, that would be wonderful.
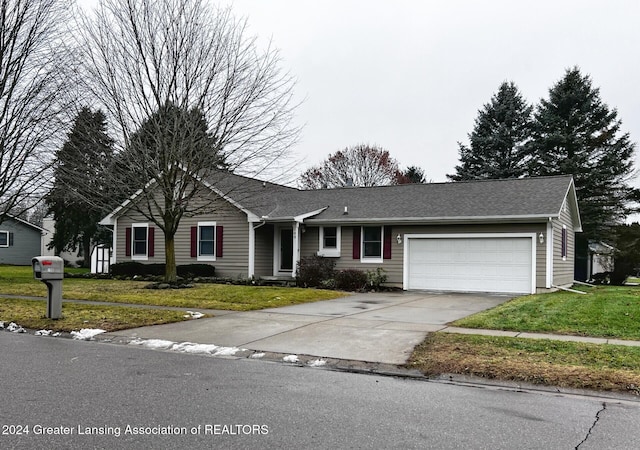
(376, 278)
(314, 271)
(196, 270)
(351, 280)
(127, 269)
(133, 268)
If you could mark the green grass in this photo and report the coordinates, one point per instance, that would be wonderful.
(75, 316)
(20, 281)
(605, 311)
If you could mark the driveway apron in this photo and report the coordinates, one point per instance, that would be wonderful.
(373, 327)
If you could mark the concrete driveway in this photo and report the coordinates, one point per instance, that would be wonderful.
(376, 327)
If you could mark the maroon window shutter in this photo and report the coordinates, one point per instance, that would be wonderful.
(564, 243)
(10, 238)
(127, 241)
(219, 232)
(356, 243)
(194, 242)
(386, 246)
(152, 241)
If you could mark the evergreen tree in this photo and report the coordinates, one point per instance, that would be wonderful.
(80, 197)
(497, 142)
(412, 175)
(576, 133)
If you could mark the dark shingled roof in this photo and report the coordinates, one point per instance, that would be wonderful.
(514, 198)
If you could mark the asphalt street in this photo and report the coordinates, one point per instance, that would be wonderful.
(59, 393)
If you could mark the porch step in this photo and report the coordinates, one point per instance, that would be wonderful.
(277, 281)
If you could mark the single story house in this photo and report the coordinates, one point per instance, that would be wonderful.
(19, 241)
(510, 236)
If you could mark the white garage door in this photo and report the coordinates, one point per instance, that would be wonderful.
(480, 264)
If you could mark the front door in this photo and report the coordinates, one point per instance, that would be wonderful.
(286, 250)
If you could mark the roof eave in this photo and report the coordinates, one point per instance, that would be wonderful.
(439, 220)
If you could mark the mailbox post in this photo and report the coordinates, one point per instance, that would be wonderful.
(50, 270)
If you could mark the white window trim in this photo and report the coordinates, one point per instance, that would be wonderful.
(135, 257)
(215, 243)
(372, 259)
(7, 233)
(330, 252)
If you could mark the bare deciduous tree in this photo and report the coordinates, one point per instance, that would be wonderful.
(156, 68)
(33, 62)
(361, 165)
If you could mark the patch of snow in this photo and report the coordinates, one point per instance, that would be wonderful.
(194, 315)
(316, 363)
(210, 349)
(15, 328)
(153, 343)
(257, 355)
(187, 347)
(43, 332)
(1, 325)
(291, 358)
(86, 334)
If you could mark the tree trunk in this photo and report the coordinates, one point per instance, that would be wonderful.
(170, 271)
(86, 249)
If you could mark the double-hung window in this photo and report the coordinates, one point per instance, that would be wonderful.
(139, 241)
(206, 241)
(372, 238)
(4, 239)
(329, 241)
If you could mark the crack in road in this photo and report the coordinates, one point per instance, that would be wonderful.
(593, 425)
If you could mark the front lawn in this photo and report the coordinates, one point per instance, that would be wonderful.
(605, 311)
(20, 281)
(75, 316)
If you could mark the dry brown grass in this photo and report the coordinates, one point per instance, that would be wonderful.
(563, 364)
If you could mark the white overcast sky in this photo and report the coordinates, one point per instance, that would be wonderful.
(410, 76)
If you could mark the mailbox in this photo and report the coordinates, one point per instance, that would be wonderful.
(48, 267)
(50, 270)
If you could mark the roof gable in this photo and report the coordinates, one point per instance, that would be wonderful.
(23, 222)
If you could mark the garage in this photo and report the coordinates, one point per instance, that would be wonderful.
(470, 263)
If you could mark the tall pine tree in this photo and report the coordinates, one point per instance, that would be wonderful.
(497, 142)
(80, 197)
(576, 133)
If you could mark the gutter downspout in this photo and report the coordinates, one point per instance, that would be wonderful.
(549, 254)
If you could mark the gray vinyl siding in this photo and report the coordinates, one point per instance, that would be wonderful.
(264, 251)
(26, 243)
(235, 256)
(394, 267)
(563, 268)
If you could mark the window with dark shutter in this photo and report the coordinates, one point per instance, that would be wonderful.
(4, 239)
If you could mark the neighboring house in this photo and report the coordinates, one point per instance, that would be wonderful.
(71, 258)
(512, 236)
(19, 241)
(101, 255)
